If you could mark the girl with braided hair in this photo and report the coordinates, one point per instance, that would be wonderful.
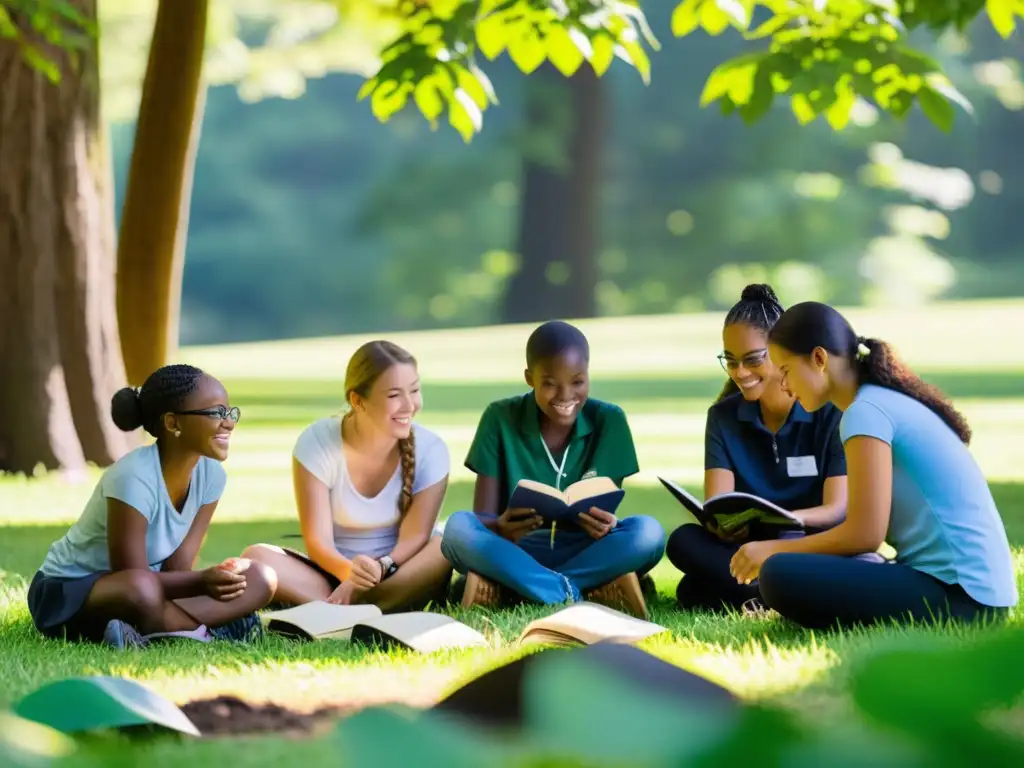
(757, 440)
(369, 488)
(123, 573)
(912, 481)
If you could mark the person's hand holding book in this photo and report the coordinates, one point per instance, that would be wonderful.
(514, 523)
(597, 522)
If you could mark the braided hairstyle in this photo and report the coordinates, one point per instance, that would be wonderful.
(759, 308)
(809, 325)
(367, 365)
(165, 391)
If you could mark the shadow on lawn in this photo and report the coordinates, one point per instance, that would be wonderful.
(22, 549)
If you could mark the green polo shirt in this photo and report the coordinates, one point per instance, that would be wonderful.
(508, 445)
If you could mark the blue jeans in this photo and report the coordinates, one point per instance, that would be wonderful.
(558, 574)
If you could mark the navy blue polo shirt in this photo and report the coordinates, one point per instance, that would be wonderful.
(788, 468)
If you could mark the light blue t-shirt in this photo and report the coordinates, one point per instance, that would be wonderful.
(137, 480)
(944, 521)
(366, 525)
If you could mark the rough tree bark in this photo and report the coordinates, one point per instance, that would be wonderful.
(154, 222)
(558, 209)
(60, 358)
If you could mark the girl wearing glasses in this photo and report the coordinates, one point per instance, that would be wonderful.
(757, 440)
(124, 571)
(369, 487)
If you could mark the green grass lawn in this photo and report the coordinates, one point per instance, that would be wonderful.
(661, 370)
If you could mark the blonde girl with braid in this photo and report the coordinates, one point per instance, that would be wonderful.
(369, 487)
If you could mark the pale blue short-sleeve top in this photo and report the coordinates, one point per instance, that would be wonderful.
(137, 480)
(943, 521)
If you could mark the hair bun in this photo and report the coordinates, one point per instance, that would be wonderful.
(759, 292)
(126, 410)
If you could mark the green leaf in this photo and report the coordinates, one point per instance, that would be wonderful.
(714, 20)
(367, 88)
(737, 11)
(492, 32)
(635, 55)
(941, 85)
(464, 115)
(399, 735)
(936, 108)
(388, 98)
(485, 83)
(473, 87)
(427, 99)
(526, 49)
(604, 53)
(1000, 12)
(686, 17)
(563, 51)
(802, 109)
(838, 115)
(761, 97)
(40, 62)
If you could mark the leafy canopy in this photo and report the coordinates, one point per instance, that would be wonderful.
(821, 54)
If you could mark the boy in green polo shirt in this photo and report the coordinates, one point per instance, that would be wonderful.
(556, 435)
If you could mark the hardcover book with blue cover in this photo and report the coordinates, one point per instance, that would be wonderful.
(568, 504)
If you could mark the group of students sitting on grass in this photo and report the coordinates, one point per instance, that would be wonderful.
(813, 418)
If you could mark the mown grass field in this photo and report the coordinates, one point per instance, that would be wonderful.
(662, 370)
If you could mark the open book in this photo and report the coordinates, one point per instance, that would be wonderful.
(586, 624)
(734, 510)
(419, 630)
(567, 505)
(318, 620)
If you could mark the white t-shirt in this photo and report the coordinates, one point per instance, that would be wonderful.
(366, 526)
(137, 480)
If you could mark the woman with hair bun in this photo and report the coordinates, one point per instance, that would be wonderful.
(757, 440)
(124, 571)
(913, 482)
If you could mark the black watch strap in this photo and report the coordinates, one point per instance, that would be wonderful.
(387, 566)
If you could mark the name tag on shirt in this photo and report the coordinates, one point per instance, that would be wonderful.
(801, 466)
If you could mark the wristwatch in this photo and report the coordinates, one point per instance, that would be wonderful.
(387, 566)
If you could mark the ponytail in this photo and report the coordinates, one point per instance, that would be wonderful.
(877, 363)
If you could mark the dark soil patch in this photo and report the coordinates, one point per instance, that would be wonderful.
(231, 716)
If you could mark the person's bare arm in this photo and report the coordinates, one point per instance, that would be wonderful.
(314, 505)
(418, 522)
(184, 557)
(717, 482)
(832, 509)
(869, 480)
(126, 543)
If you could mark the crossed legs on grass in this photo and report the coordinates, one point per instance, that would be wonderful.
(137, 598)
(422, 578)
(575, 566)
(826, 592)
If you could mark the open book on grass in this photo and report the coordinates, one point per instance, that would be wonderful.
(318, 620)
(734, 510)
(567, 505)
(586, 624)
(419, 630)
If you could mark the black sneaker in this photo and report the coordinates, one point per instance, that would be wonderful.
(121, 635)
(247, 629)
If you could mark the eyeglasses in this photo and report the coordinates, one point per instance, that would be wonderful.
(752, 360)
(221, 412)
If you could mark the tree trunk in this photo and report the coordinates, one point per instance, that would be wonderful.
(59, 354)
(558, 213)
(154, 223)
